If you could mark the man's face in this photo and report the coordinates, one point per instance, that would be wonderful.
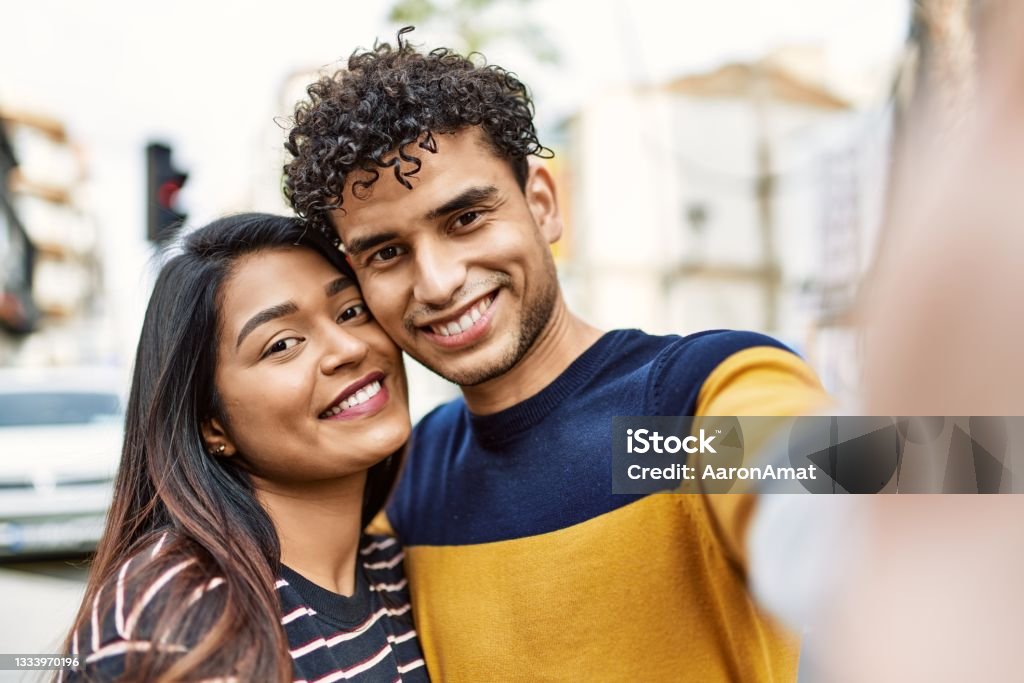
(457, 270)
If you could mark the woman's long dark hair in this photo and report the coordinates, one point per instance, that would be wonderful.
(168, 481)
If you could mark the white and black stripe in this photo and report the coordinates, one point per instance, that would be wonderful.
(366, 637)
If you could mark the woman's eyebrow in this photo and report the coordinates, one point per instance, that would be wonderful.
(265, 316)
(288, 308)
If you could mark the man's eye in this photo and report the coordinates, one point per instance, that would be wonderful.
(388, 253)
(353, 312)
(467, 218)
(282, 345)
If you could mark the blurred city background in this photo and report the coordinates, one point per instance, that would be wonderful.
(725, 164)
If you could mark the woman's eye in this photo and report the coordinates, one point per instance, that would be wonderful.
(353, 312)
(281, 345)
(387, 253)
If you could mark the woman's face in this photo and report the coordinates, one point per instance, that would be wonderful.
(311, 387)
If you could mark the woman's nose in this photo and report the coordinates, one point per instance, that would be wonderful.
(342, 348)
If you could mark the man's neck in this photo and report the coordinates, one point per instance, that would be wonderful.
(563, 339)
(319, 528)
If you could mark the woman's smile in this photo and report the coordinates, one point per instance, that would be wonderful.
(366, 397)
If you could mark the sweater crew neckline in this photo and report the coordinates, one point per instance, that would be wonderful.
(345, 610)
(507, 424)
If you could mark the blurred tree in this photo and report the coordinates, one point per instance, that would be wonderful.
(478, 24)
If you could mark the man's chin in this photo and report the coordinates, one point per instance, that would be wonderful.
(470, 372)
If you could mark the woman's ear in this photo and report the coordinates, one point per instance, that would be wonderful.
(542, 200)
(216, 439)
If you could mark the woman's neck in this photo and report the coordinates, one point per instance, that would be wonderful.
(319, 526)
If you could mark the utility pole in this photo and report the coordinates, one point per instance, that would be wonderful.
(771, 272)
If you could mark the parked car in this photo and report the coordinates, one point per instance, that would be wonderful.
(60, 441)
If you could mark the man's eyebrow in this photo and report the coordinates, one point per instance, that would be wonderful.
(358, 245)
(265, 316)
(339, 285)
(463, 200)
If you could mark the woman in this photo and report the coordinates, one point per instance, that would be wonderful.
(264, 423)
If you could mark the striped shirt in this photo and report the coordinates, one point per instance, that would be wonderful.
(368, 636)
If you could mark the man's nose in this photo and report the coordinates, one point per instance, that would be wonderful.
(439, 274)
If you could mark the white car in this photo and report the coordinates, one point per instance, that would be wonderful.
(60, 443)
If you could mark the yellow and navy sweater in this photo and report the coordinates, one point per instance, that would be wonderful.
(525, 566)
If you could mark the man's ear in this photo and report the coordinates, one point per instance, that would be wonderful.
(543, 201)
(216, 439)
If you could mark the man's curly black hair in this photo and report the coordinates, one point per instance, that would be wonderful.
(388, 99)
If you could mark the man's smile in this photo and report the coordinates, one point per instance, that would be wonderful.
(464, 327)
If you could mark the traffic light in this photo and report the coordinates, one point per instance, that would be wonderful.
(163, 182)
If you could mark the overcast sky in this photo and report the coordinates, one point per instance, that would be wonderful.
(208, 75)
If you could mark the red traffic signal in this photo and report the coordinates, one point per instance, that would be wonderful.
(167, 192)
(163, 182)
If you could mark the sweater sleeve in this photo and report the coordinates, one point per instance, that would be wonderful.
(757, 381)
(761, 380)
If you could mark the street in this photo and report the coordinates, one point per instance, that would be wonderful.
(39, 601)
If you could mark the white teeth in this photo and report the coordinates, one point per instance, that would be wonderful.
(361, 396)
(468, 319)
(364, 394)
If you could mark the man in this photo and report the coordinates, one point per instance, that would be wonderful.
(524, 565)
